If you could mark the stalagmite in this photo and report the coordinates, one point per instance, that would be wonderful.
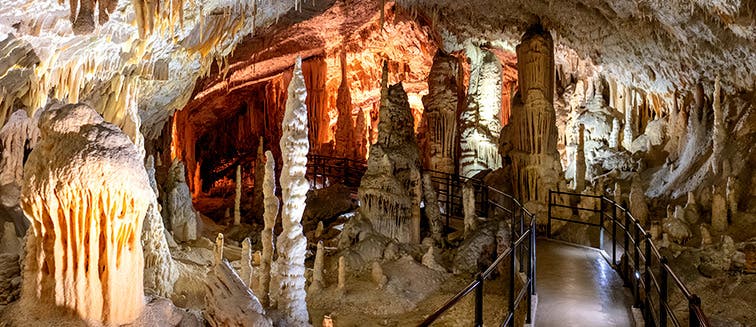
(440, 113)
(617, 193)
(319, 229)
(432, 210)
(718, 210)
(530, 139)
(318, 282)
(178, 207)
(379, 278)
(468, 203)
(391, 189)
(237, 199)
(160, 272)
(732, 196)
(292, 243)
(429, 260)
(258, 197)
(342, 275)
(691, 210)
(480, 123)
(246, 262)
(580, 160)
(638, 205)
(614, 137)
(86, 193)
(705, 236)
(719, 134)
(271, 212)
(218, 252)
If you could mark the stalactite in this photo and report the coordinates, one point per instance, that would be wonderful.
(271, 212)
(292, 243)
(719, 134)
(90, 259)
(344, 124)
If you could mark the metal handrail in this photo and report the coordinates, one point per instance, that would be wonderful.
(635, 238)
(323, 170)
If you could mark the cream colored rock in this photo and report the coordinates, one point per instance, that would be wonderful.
(429, 260)
(229, 302)
(160, 272)
(580, 160)
(432, 210)
(718, 210)
(270, 214)
(440, 113)
(178, 207)
(342, 275)
(705, 236)
(292, 244)
(218, 249)
(732, 195)
(246, 263)
(318, 282)
(468, 206)
(638, 204)
(379, 278)
(97, 178)
(319, 229)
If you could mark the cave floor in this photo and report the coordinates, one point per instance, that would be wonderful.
(577, 287)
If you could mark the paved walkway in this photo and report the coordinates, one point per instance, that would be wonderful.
(577, 287)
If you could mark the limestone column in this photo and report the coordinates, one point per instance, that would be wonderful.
(440, 113)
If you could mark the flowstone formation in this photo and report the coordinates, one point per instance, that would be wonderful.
(440, 114)
(86, 206)
(480, 123)
(292, 243)
(391, 189)
(530, 139)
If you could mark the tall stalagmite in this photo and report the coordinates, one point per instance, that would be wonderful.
(271, 212)
(258, 196)
(480, 123)
(292, 243)
(86, 193)
(530, 139)
(390, 190)
(440, 113)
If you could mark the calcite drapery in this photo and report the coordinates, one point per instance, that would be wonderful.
(440, 114)
(479, 123)
(530, 139)
(292, 243)
(390, 190)
(87, 206)
(345, 124)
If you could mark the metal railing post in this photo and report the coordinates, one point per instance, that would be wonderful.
(512, 272)
(601, 223)
(479, 302)
(614, 235)
(647, 279)
(522, 231)
(533, 255)
(693, 302)
(531, 279)
(663, 291)
(626, 263)
(636, 264)
(548, 223)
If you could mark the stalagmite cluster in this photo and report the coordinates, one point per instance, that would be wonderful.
(530, 139)
(87, 205)
(480, 122)
(390, 190)
(292, 244)
(440, 114)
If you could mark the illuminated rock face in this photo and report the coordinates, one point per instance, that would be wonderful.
(86, 194)
(530, 139)
(292, 243)
(480, 123)
(440, 114)
(390, 190)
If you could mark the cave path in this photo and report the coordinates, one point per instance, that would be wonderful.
(577, 287)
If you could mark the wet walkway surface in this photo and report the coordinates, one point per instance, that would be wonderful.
(577, 287)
